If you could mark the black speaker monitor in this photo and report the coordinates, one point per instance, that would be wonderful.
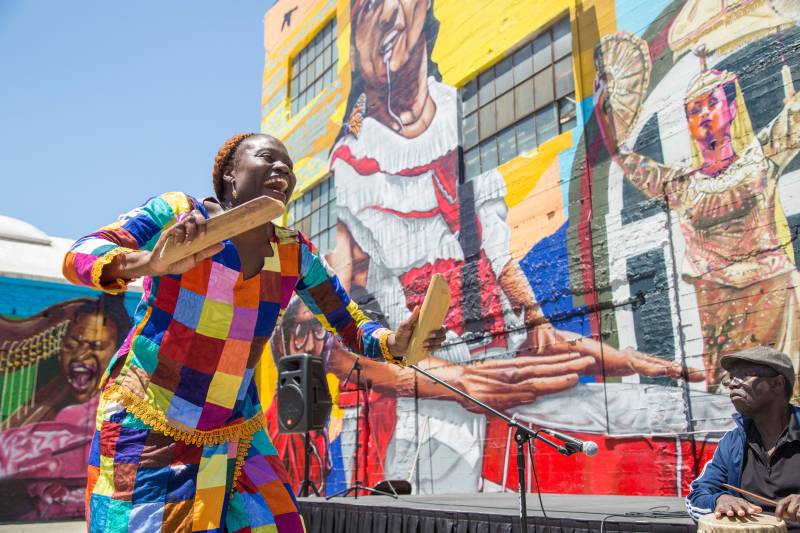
(304, 401)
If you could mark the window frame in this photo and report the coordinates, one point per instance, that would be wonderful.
(315, 201)
(305, 81)
(483, 126)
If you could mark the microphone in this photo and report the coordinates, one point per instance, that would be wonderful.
(572, 444)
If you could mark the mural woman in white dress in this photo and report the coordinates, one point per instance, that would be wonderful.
(404, 215)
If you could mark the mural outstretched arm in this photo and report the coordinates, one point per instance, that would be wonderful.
(501, 383)
(781, 138)
(648, 175)
(608, 360)
(546, 340)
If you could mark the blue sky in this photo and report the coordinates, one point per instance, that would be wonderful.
(105, 103)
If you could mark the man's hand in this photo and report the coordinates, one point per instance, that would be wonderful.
(732, 506)
(788, 508)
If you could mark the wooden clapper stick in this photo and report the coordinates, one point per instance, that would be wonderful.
(753, 495)
(431, 316)
(229, 224)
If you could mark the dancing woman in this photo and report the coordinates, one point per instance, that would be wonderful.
(179, 443)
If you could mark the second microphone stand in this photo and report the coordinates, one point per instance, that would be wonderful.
(357, 485)
(522, 436)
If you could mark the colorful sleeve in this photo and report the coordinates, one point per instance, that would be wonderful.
(322, 292)
(138, 229)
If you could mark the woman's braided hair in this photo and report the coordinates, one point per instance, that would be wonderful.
(224, 159)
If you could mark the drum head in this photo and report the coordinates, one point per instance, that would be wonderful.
(755, 524)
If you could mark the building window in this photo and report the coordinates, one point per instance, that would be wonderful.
(519, 103)
(314, 68)
(314, 214)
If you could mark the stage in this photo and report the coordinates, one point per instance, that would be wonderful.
(493, 513)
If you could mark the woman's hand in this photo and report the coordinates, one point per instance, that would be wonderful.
(137, 264)
(400, 339)
(182, 233)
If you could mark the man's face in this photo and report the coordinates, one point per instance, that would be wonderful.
(307, 335)
(85, 353)
(752, 386)
(710, 117)
(387, 31)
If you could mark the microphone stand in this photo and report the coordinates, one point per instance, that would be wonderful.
(522, 436)
(307, 482)
(357, 485)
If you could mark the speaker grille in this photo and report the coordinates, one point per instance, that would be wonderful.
(290, 399)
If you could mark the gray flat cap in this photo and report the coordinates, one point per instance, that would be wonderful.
(765, 356)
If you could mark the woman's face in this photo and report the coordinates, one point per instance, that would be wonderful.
(262, 168)
(85, 353)
(710, 117)
(388, 30)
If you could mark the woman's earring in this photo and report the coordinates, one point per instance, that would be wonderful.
(230, 179)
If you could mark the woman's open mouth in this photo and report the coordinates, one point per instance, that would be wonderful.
(276, 187)
(82, 375)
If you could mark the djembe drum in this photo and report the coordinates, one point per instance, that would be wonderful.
(749, 524)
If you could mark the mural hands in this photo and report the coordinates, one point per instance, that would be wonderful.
(635, 362)
(545, 340)
(506, 383)
(601, 112)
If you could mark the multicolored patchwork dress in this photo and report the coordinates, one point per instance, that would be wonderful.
(180, 444)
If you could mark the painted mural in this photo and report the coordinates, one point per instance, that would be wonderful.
(597, 278)
(52, 363)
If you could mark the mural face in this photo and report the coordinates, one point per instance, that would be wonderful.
(53, 362)
(88, 346)
(710, 117)
(388, 39)
(598, 279)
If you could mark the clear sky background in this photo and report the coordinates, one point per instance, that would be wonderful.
(106, 103)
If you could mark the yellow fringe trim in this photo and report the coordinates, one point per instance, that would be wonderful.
(383, 341)
(241, 454)
(158, 421)
(97, 271)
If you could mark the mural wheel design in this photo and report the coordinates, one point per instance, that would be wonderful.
(623, 64)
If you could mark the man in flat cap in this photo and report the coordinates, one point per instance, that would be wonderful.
(762, 453)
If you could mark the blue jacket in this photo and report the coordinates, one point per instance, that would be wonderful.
(724, 467)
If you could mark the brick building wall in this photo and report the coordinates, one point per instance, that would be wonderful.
(609, 188)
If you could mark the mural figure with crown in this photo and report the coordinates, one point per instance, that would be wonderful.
(737, 251)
